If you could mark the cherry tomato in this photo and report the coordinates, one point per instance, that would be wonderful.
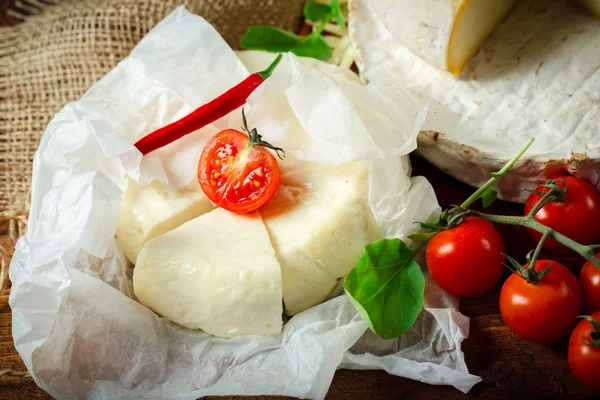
(584, 359)
(468, 259)
(589, 279)
(545, 311)
(577, 217)
(235, 175)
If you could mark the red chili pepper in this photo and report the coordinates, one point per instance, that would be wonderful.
(204, 115)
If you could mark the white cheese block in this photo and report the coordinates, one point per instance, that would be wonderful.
(536, 76)
(148, 211)
(445, 33)
(217, 272)
(592, 6)
(319, 222)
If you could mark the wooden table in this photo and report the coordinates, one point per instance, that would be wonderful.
(509, 366)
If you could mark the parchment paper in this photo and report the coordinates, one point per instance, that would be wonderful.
(76, 323)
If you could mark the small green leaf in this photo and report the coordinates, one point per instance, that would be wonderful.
(488, 197)
(275, 40)
(498, 174)
(337, 13)
(317, 12)
(386, 287)
(422, 237)
(314, 46)
(271, 39)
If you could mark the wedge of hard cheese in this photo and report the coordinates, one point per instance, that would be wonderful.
(217, 272)
(148, 211)
(319, 222)
(445, 33)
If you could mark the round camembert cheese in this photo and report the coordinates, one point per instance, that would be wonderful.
(536, 76)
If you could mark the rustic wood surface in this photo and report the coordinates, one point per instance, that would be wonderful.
(510, 367)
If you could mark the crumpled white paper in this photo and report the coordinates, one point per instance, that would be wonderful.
(75, 321)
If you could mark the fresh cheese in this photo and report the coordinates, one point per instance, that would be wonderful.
(217, 272)
(318, 222)
(592, 6)
(148, 211)
(445, 33)
(536, 76)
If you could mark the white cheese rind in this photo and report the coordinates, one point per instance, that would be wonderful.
(318, 222)
(536, 76)
(217, 272)
(148, 211)
(445, 33)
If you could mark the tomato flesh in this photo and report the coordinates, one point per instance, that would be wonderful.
(577, 217)
(545, 311)
(584, 359)
(468, 259)
(589, 279)
(236, 176)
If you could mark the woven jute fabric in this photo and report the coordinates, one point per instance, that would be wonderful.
(53, 58)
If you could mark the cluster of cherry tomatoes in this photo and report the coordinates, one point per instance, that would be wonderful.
(542, 306)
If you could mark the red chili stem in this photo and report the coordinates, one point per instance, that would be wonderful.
(207, 113)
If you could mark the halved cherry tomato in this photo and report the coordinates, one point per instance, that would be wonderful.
(584, 358)
(468, 259)
(589, 279)
(237, 172)
(577, 216)
(545, 311)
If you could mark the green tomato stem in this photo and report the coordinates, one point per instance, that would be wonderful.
(497, 176)
(529, 222)
(538, 249)
(539, 205)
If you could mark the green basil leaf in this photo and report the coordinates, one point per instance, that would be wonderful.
(337, 13)
(488, 197)
(317, 12)
(314, 46)
(271, 39)
(275, 40)
(386, 287)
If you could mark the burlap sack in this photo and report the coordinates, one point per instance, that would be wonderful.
(51, 59)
